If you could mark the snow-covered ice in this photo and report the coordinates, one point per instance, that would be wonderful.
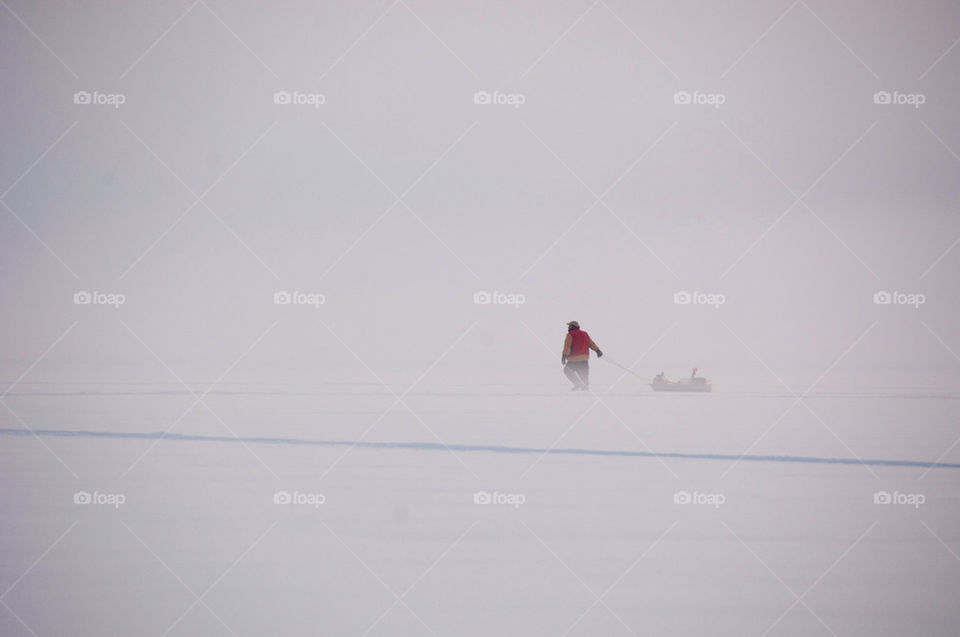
(451, 519)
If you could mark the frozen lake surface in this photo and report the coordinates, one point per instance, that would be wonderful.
(519, 509)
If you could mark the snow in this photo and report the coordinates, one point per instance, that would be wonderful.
(584, 540)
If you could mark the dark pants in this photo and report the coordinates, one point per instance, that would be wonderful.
(578, 372)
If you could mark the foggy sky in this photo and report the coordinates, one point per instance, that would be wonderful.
(492, 197)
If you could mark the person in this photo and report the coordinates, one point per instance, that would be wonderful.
(576, 356)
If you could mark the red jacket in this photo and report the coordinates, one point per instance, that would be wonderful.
(579, 343)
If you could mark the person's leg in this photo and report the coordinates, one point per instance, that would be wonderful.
(585, 376)
(577, 372)
(570, 370)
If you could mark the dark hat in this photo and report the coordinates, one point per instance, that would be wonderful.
(573, 325)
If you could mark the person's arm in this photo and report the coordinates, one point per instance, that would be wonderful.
(594, 347)
(567, 342)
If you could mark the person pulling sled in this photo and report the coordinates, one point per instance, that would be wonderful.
(576, 356)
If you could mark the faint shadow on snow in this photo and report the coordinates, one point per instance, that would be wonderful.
(431, 446)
